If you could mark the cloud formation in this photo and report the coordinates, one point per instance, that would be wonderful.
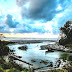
(10, 22)
(4, 29)
(34, 16)
(42, 9)
(21, 2)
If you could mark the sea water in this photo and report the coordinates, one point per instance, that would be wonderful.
(34, 52)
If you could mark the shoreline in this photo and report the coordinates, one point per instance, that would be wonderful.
(56, 47)
(49, 45)
(30, 41)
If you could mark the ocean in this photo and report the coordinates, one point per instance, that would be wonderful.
(35, 53)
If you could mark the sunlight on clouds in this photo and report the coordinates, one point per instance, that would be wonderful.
(5, 17)
(55, 23)
(19, 17)
(37, 23)
(31, 35)
(48, 26)
(12, 29)
(59, 7)
(30, 16)
(59, 15)
(13, 10)
(27, 5)
(13, 18)
(5, 29)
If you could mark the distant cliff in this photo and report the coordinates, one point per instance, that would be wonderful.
(2, 36)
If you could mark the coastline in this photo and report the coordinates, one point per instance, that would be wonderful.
(40, 41)
(30, 41)
(56, 47)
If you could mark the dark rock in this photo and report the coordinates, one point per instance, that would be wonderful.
(70, 51)
(19, 56)
(23, 47)
(49, 51)
(12, 50)
(51, 64)
(33, 60)
(44, 62)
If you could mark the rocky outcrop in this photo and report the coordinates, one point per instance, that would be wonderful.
(51, 47)
(23, 47)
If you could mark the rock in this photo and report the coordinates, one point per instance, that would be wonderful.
(33, 60)
(55, 47)
(51, 64)
(44, 62)
(19, 56)
(23, 47)
(12, 58)
(70, 51)
(49, 51)
(12, 50)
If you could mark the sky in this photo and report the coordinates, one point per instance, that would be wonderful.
(41, 18)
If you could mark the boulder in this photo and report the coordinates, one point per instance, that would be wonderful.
(23, 47)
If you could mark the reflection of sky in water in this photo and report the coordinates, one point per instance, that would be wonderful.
(34, 52)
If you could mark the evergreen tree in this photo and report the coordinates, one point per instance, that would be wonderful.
(67, 31)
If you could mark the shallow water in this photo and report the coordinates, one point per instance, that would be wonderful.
(34, 53)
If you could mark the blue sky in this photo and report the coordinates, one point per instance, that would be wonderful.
(34, 16)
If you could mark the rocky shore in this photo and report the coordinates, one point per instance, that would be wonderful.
(56, 47)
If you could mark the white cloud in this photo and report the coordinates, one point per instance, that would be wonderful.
(27, 5)
(19, 17)
(11, 29)
(59, 8)
(14, 10)
(48, 26)
(59, 15)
